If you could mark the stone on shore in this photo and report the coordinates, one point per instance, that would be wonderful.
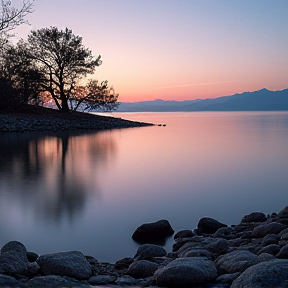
(184, 234)
(269, 274)
(8, 281)
(265, 229)
(209, 225)
(72, 264)
(142, 269)
(186, 271)
(149, 251)
(53, 281)
(151, 232)
(254, 217)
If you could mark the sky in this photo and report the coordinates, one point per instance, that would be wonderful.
(177, 49)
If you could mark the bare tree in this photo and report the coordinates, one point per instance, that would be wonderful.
(11, 17)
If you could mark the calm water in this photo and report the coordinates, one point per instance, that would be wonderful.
(89, 192)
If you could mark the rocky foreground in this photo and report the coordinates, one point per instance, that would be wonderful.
(32, 118)
(251, 254)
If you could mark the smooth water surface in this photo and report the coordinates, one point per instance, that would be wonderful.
(90, 191)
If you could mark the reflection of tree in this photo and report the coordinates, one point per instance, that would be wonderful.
(60, 170)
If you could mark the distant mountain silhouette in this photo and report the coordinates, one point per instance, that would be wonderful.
(262, 100)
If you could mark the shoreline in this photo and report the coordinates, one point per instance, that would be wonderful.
(253, 253)
(39, 119)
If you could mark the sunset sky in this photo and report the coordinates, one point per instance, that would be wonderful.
(177, 49)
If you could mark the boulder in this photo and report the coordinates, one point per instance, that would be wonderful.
(264, 257)
(149, 251)
(14, 261)
(272, 249)
(124, 263)
(153, 232)
(101, 279)
(270, 239)
(283, 253)
(236, 261)
(254, 217)
(224, 232)
(273, 273)
(53, 281)
(142, 269)
(184, 234)
(199, 253)
(265, 229)
(72, 264)
(126, 280)
(209, 225)
(227, 278)
(8, 281)
(186, 271)
(283, 213)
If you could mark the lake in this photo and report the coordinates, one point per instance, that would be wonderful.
(90, 191)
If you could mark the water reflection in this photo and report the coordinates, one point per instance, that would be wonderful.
(51, 174)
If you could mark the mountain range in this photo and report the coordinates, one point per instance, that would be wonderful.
(262, 100)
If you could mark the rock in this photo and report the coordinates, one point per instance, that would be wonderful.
(270, 249)
(254, 217)
(264, 257)
(151, 232)
(265, 229)
(101, 279)
(72, 264)
(53, 281)
(224, 232)
(209, 225)
(184, 234)
(124, 263)
(273, 273)
(218, 246)
(283, 240)
(31, 256)
(148, 251)
(186, 271)
(283, 213)
(142, 269)
(8, 281)
(14, 262)
(199, 253)
(285, 231)
(227, 278)
(270, 239)
(283, 253)
(126, 280)
(236, 261)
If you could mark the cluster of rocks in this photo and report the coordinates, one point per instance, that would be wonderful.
(30, 122)
(251, 254)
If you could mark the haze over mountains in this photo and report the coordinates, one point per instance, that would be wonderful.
(262, 100)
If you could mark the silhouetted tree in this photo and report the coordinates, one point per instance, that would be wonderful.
(11, 17)
(60, 59)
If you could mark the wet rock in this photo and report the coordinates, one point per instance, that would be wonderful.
(283, 253)
(254, 217)
(236, 261)
(270, 239)
(72, 264)
(149, 251)
(142, 269)
(151, 232)
(186, 271)
(8, 281)
(273, 273)
(265, 229)
(209, 225)
(124, 263)
(184, 234)
(270, 249)
(101, 279)
(218, 247)
(14, 262)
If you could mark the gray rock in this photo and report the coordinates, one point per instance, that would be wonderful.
(265, 229)
(264, 257)
(124, 263)
(266, 274)
(54, 281)
(270, 239)
(101, 279)
(283, 213)
(283, 253)
(254, 217)
(283, 232)
(186, 271)
(14, 262)
(272, 249)
(142, 269)
(199, 253)
(236, 261)
(72, 264)
(209, 225)
(8, 281)
(184, 234)
(283, 240)
(31, 256)
(218, 246)
(224, 232)
(227, 278)
(148, 251)
(150, 232)
(126, 280)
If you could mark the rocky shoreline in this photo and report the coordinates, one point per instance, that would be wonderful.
(251, 254)
(32, 118)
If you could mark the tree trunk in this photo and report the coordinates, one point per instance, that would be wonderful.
(65, 107)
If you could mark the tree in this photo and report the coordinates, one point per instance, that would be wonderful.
(61, 61)
(11, 17)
